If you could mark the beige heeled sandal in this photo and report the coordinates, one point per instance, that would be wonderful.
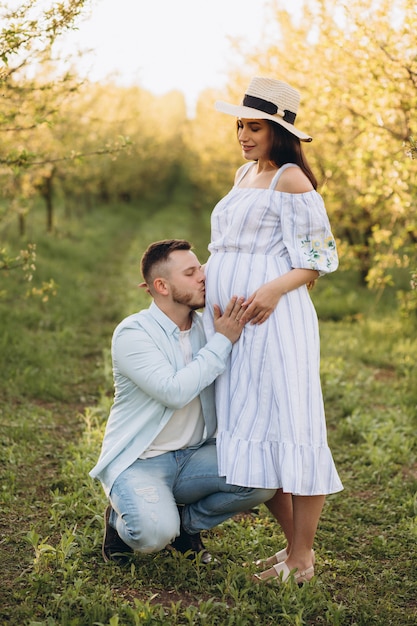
(281, 573)
(278, 557)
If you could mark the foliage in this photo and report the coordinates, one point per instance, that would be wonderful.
(61, 138)
(356, 68)
(55, 397)
(29, 107)
(30, 104)
(354, 64)
(212, 157)
(120, 117)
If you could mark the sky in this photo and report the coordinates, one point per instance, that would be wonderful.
(167, 44)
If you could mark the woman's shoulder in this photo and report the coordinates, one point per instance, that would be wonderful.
(241, 171)
(293, 180)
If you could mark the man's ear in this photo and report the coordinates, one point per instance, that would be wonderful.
(145, 287)
(161, 286)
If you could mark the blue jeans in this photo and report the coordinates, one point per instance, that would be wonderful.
(144, 497)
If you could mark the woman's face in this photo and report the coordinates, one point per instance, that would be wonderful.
(255, 138)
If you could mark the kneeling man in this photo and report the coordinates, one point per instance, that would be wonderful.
(158, 463)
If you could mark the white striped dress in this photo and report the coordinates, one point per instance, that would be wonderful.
(271, 422)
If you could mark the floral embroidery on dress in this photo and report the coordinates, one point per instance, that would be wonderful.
(315, 249)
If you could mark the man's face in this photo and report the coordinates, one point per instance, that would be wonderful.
(186, 279)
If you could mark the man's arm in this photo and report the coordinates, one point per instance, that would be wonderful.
(148, 361)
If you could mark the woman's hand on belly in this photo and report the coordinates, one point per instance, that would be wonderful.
(264, 300)
(262, 303)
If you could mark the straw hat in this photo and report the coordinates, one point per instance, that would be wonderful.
(268, 99)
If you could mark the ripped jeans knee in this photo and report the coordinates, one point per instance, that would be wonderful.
(145, 513)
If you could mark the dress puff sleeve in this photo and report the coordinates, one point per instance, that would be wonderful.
(307, 234)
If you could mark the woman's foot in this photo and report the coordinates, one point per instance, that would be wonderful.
(278, 557)
(281, 573)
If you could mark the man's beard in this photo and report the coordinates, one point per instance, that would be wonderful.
(194, 301)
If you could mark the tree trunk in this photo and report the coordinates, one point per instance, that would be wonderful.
(22, 224)
(47, 194)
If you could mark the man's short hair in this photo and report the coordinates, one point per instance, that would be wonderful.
(157, 253)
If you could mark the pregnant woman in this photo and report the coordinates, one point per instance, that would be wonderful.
(270, 239)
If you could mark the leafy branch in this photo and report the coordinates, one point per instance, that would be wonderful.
(25, 159)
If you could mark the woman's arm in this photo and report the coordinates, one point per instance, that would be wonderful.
(263, 301)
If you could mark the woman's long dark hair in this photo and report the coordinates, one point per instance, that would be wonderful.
(286, 148)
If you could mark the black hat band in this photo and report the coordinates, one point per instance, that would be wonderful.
(267, 107)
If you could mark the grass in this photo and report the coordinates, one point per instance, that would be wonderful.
(55, 395)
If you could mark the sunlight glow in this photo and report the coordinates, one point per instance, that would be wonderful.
(164, 44)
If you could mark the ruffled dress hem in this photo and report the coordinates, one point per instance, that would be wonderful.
(303, 470)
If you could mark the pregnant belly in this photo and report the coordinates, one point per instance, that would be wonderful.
(240, 274)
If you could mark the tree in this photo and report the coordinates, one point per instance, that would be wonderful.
(27, 35)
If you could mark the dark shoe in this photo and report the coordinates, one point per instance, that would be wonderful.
(192, 544)
(113, 548)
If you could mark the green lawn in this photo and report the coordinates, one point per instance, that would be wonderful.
(55, 395)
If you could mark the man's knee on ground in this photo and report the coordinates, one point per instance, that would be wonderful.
(152, 534)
